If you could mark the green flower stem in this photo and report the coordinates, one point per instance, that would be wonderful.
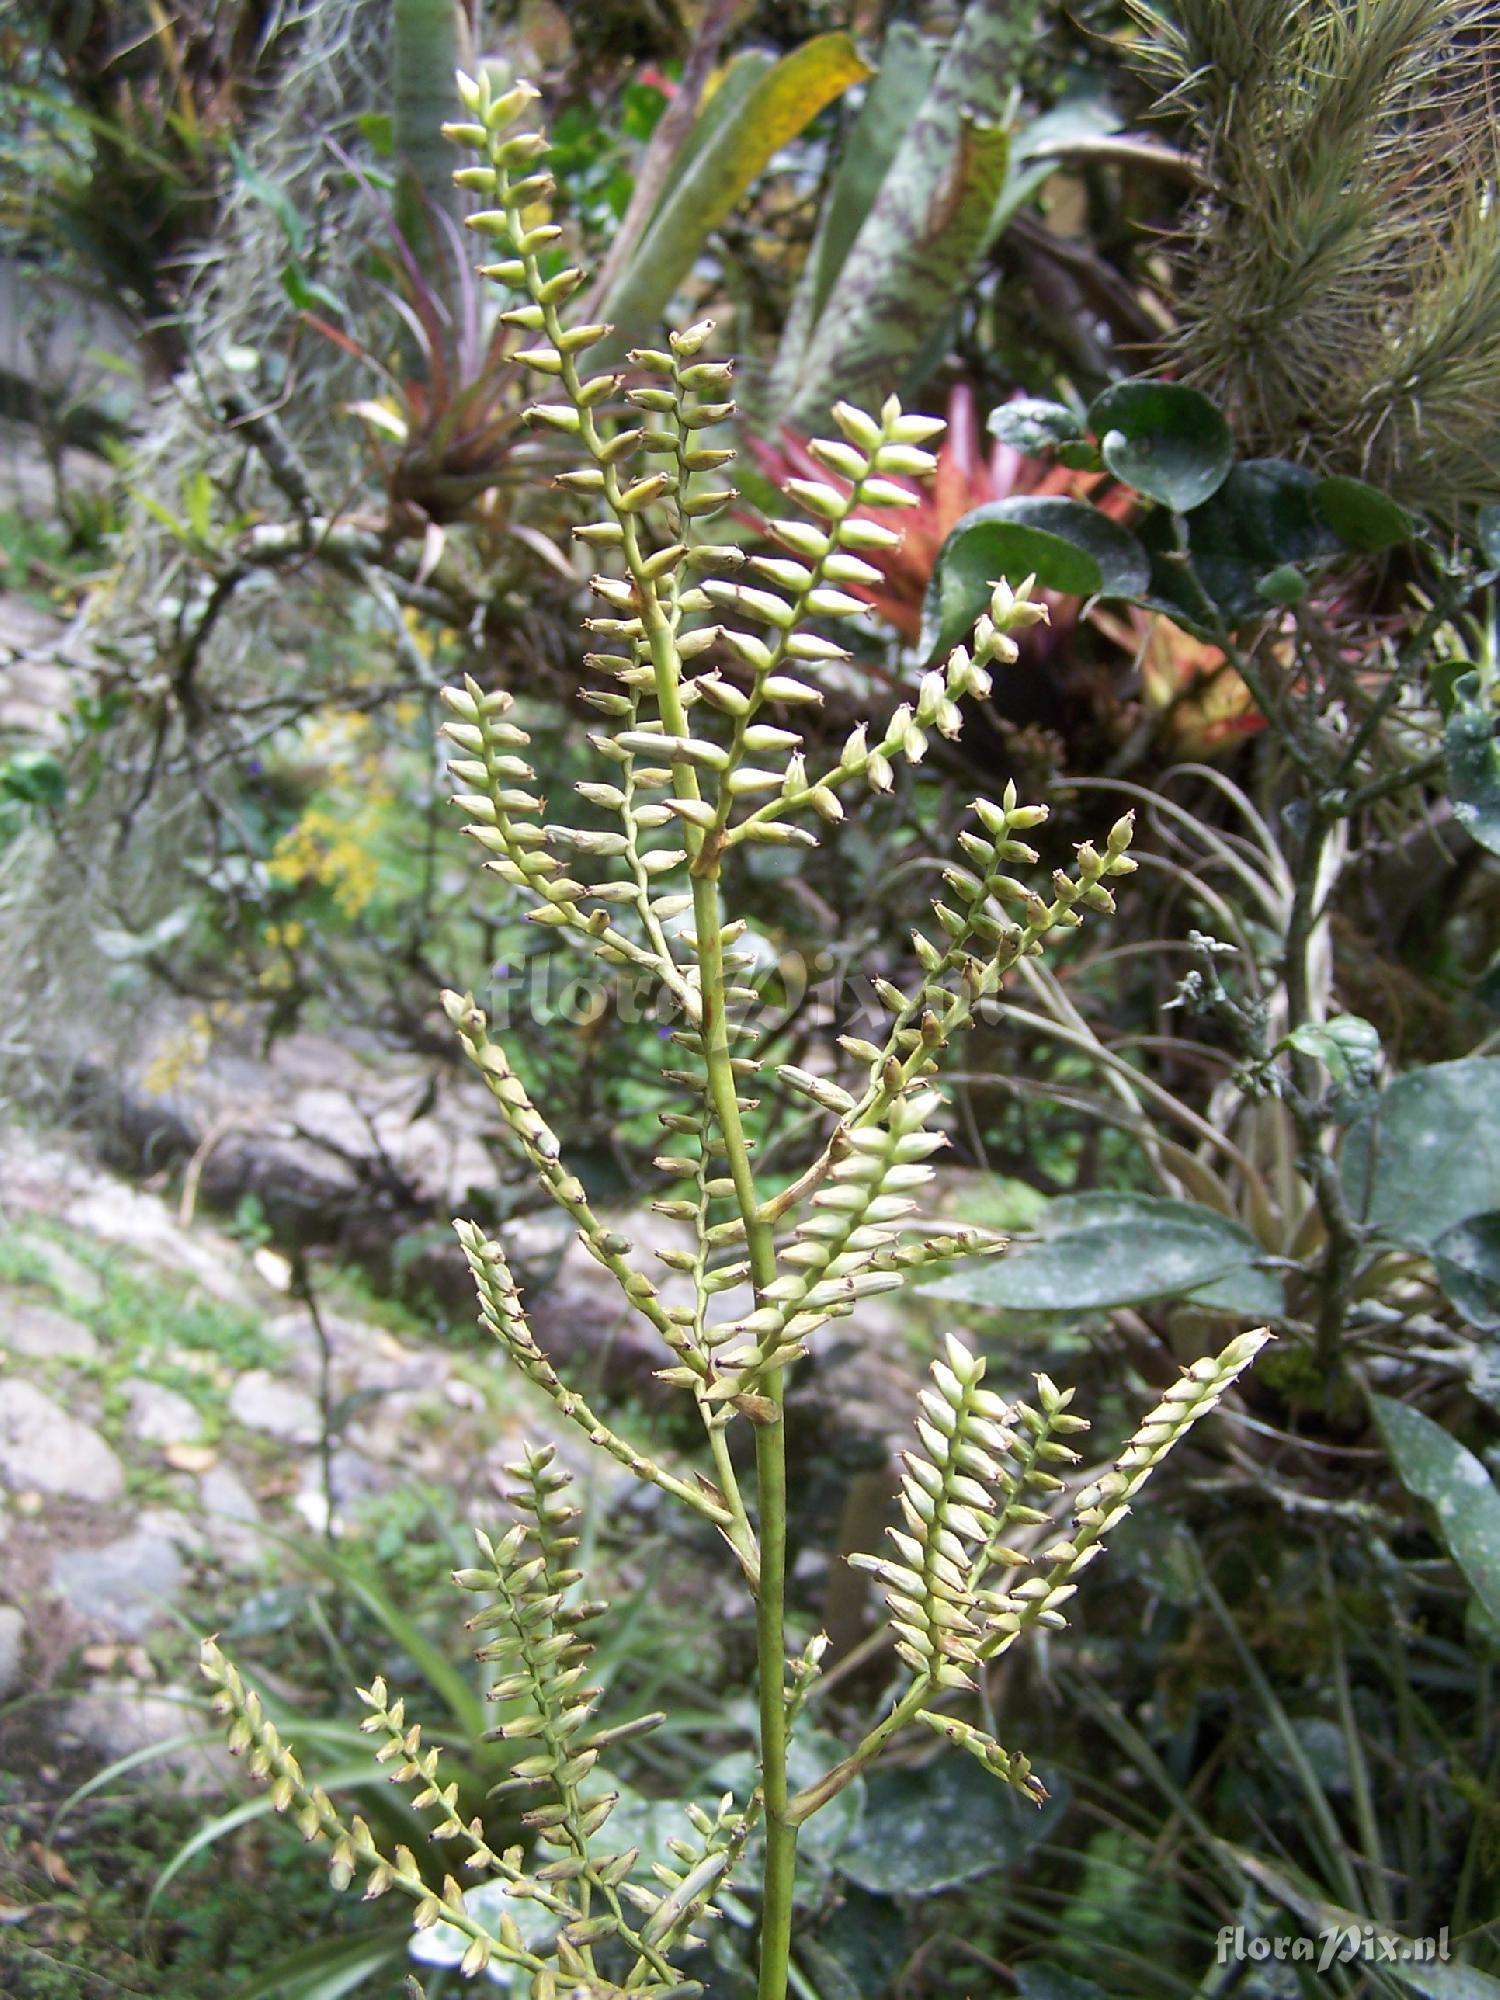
(781, 1830)
(813, 1797)
(770, 1466)
(770, 1437)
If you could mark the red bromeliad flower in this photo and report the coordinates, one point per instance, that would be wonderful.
(965, 478)
(1205, 705)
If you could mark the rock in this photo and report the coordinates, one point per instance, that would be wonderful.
(161, 1416)
(140, 1224)
(42, 1334)
(230, 1517)
(351, 1475)
(122, 1589)
(36, 691)
(118, 1718)
(340, 1142)
(72, 1277)
(43, 1449)
(280, 1409)
(12, 1638)
(366, 1360)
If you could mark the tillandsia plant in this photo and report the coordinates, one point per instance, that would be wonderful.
(693, 771)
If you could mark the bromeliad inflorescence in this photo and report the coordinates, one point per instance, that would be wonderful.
(706, 659)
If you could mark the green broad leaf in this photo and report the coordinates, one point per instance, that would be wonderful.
(1438, 1469)
(1443, 677)
(198, 503)
(307, 295)
(734, 140)
(1066, 545)
(1032, 425)
(1362, 516)
(1474, 761)
(1169, 442)
(1427, 1155)
(1348, 1047)
(1438, 1981)
(1244, 1293)
(831, 1979)
(1096, 1251)
(330, 1968)
(864, 1936)
(1487, 534)
(275, 198)
(1467, 1261)
(1259, 523)
(931, 1827)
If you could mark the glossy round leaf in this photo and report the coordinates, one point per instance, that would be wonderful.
(1167, 441)
(1067, 546)
(1032, 425)
(1348, 1047)
(1362, 516)
(1258, 523)
(35, 777)
(1447, 1475)
(1284, 585)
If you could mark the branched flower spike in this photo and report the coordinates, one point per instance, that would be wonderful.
(707, 659)
(962, 1494)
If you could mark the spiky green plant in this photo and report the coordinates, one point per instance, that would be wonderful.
(1338, 285)
(692, 772)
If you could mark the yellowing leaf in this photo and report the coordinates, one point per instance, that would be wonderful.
(751, 116)
(785, 101)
